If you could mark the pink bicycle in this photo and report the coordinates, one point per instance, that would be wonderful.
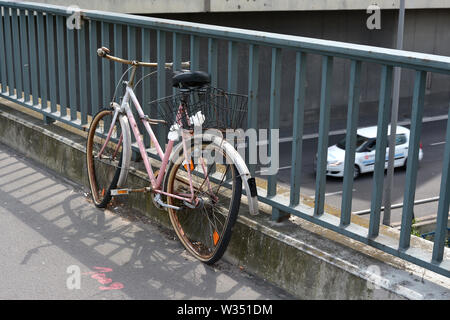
(200, 179)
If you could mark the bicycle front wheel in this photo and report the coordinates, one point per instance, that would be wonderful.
(205, 227)
(103, 169)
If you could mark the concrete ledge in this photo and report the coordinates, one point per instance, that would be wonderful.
(304, 259)
(173, 6)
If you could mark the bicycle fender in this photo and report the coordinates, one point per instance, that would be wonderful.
(248, 181)
(126, 150)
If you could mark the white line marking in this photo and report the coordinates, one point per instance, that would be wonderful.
(400, 205)
(281, 168)
(336, 193)
(343, 131)
(437, 143)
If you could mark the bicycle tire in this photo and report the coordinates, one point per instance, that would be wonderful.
(103, 174)
(195, 230)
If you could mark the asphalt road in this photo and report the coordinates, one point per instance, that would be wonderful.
(57, 245)
(428, 179)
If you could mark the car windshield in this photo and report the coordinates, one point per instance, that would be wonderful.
(360, 141)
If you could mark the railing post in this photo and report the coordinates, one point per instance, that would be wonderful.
(106, 73)
(118, 51)
(380, 153)
(232, 66)
(413, 159)
(9, 50)
(62, 74)
(3, 76)
(42, 60)
(82, 73)
(33, 58)
(43, 51)
(324, 126)
(194, 52)
(146, 87)
(72, 83)
(24, 52)
(350, 141)
(51, 61)
(16, 47)
(298, 123)
(93, 46)
(444, 200)
(274, 120)
(161, 78)
(274, 123)
(212, 60)
(253, 88)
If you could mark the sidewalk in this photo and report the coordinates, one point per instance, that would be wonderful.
(51, 234)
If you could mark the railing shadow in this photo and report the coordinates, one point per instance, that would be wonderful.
(149, 264)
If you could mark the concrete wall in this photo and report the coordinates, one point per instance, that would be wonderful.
(425, 31)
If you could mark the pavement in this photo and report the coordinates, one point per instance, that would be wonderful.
(56, 245)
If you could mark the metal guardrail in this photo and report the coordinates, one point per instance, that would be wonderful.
(432, 233)
(43, 66)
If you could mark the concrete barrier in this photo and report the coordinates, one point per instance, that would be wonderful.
(306, 260)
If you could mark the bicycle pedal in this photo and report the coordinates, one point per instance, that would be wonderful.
(120, 192)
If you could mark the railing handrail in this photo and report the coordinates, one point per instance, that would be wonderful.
(393, 57)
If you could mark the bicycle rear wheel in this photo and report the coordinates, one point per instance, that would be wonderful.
(205, 229)
(103, 170)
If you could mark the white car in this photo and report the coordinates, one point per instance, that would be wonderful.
(365, 152)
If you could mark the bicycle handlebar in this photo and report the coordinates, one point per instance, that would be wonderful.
(105, 53)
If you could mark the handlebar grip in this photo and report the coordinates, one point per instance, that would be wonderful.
(103, 51)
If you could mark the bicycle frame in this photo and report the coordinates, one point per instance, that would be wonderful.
(164, 156)
(126, 116)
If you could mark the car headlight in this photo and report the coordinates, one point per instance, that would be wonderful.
(334, 163)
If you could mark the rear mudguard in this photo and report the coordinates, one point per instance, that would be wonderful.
(247, 181)
(126, 150)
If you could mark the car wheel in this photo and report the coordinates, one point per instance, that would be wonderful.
(356, 172)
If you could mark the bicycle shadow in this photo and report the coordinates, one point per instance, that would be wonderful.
(148, 261)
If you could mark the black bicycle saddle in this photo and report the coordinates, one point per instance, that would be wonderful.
(191, 79)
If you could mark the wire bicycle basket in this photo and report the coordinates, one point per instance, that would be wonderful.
(207, 107)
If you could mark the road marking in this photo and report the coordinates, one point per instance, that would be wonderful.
(281, 168)
(336, 193)
(437, 143)
(399, 205)
(343, 131)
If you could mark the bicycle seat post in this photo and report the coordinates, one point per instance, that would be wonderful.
(133, 76)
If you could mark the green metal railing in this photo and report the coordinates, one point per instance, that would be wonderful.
(43, 66)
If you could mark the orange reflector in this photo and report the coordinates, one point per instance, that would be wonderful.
(186, 167)
(103, 192)
(215, 237)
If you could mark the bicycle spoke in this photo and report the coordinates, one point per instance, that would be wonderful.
(205, 230)
(103, 169)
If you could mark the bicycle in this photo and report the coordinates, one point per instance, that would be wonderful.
(200, 185)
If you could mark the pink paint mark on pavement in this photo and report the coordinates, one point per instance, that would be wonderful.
(102, 279)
